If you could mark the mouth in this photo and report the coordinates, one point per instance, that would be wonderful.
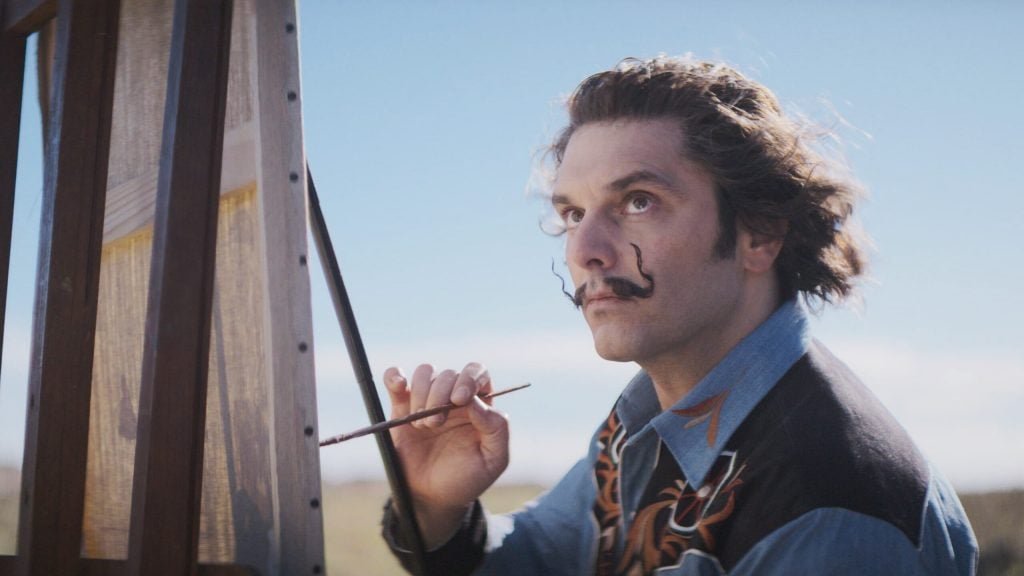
(602, 299)
(599, 295)
(610, 288)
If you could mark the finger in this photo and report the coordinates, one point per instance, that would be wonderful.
(472, 381)
(440, 394)
(398, 391)
(493, 428)
(419, 388)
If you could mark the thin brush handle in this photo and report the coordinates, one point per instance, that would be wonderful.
(389, 424)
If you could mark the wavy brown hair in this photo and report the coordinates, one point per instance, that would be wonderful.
(768, 176)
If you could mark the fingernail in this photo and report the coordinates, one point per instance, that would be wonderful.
(461, 395)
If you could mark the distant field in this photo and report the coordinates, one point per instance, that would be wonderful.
(354, 548)
(998, 522)
(352, 515)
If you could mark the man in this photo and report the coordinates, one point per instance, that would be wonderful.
(695, 216)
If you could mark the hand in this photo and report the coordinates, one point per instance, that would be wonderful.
(449, 459)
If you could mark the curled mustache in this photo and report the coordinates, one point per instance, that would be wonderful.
(621, 287)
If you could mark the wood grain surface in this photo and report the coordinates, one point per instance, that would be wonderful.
(53, 474)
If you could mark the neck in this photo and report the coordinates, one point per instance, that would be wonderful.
(676, 372)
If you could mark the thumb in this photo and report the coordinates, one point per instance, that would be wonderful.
(493, 428)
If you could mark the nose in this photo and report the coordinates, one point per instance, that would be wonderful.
(591, 245)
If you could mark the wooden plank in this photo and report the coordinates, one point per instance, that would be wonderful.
(94, 567)
(238, 520)
(167, 483)
(46, 46)
(53, 473)
(25, 16)
(289, 318)
(237, 516)
(12, 54)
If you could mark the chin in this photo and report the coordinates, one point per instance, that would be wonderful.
(614, 349)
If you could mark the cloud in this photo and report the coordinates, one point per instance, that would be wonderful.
(542, 351)
(961, 409)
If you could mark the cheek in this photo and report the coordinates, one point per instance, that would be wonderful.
(665, 255)
(696, 243)
(684, 266)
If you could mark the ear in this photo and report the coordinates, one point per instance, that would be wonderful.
(758, 250)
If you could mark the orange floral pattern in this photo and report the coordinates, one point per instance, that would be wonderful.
(674, 516)
(705, 411)
(679, 518)
(607, 506)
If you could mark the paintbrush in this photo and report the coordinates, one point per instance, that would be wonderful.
(389, 424)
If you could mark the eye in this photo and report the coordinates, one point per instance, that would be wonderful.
(572, 217)
(638, 203)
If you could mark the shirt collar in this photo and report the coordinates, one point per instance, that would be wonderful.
(697, 427)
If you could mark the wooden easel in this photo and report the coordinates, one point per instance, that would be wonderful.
(220, 213)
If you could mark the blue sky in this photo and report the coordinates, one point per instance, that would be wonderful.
(422, 126)
(423, 122)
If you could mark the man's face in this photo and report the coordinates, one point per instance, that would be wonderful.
(627, 183)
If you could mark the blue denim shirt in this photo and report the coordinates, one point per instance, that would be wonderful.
(559, 534)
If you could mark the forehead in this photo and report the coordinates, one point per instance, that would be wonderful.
(601, 152)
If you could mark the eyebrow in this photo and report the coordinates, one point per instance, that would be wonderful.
(622, 184)
(632, 178)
